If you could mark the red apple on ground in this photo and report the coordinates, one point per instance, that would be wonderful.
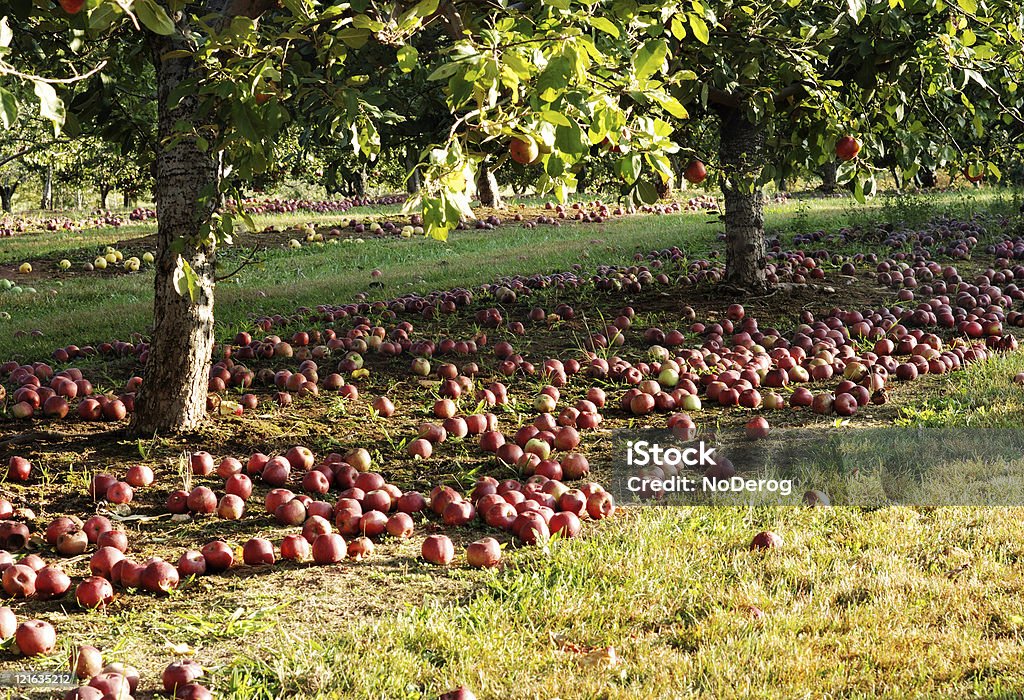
(180, 673)
(118, 539)
(257, 551)
(86, 661)
(35, 637)
(51, 582)
(8, 623)
(19, 581)
(191, 563)
(484, 553)
(94, 592)
(139, 476)
(766, 540)
(160, 577)
(219, 556)
(438, 549)
(295, 548)
(329, 549)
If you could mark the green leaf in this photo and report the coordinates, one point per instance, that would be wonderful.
(353, 37)
(673, 107)
(858, 190)
(557, 4)
(678, 28)
(857, 9)
(444, 72)
(407, 58)
(50, 106)
(700, 29)
(185, 280)
(629, 167)
(8, 108)
(647, 192)
(154, 17)
(968, 6)
(554, 117)
(650, 58)
(605, 25)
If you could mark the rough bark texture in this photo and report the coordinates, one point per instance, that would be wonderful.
(829, 171)
(487, 188)
(46, 201)
(741, 151)
(173, 394)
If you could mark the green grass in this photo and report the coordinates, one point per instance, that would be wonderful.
(95, 308)
(893, 602)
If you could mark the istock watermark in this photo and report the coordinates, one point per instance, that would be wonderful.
(870, 467)
(643, 453)
(685, 484)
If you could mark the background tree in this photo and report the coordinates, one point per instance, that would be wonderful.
(793, 77)
(229, 74)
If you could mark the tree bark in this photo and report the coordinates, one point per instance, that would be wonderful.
(46, 202)
(829, 174)
(487, 188)
(741, 150)
(926, 178)
(174, 388)
(104, 193)
(897, 177)
(127, 199)
(362, 181)
(412, 183)
(582, 181)
(7, 196)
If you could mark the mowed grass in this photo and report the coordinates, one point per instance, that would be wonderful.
(92, 308)
(654, 603)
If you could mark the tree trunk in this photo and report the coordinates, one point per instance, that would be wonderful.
(362, 181)
(104, 193)
(127, 199)
(412, 183)
(829, 174)
(582, 180)
(46, 202)
(897, 177)
(7, 197)
(741, 150)
(487, 188)
(174, 388)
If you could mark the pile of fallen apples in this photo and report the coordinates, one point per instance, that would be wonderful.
(367, 508)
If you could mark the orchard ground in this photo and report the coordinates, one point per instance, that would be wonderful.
(655, 602)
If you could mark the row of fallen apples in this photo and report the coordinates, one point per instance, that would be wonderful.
(524, 509)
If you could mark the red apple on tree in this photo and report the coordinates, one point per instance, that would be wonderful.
(523, 150)
(695, 172)
(847, 148)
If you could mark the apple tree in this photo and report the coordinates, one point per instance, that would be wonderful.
(228, 76)
(787, 80)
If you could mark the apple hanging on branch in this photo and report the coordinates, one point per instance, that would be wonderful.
(847, 148)
(695, 172)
